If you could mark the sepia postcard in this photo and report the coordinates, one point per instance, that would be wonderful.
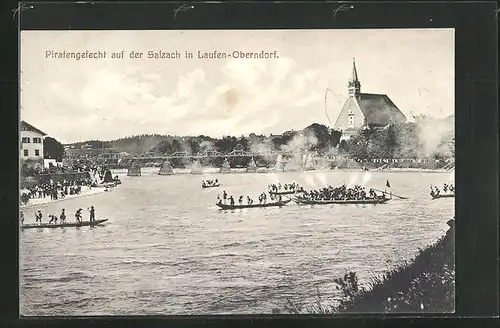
(205, 172)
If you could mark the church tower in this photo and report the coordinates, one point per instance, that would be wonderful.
(354, 85)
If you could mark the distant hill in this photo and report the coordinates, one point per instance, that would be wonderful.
(167, 143)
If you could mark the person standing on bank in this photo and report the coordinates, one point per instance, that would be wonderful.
(92, 213)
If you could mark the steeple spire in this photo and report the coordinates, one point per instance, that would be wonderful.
(354, 85)
(354, 72)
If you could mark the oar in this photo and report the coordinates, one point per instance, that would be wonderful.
(385, 192)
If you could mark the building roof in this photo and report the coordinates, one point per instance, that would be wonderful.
(25, 126)
(379, 109)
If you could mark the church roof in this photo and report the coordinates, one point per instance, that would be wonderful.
(379, 109)
(28, 127)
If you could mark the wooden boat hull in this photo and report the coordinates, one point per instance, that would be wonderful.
(70, 224)
(235, 207)
(214, 186)
(443, 196)
(282, 193)
(353, 201)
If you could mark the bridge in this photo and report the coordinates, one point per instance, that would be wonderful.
(216, 154)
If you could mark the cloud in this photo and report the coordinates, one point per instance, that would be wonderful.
(74, 100)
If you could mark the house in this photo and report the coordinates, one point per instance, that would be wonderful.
(361, 110)
(31, 142)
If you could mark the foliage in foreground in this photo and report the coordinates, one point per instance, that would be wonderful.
(427, 284)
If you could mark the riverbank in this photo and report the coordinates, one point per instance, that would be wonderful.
(86, 191)
(214, 170)
(424, 285)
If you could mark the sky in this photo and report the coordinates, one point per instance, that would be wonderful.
(77, 100)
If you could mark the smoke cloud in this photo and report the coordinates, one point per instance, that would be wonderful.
(434, 136)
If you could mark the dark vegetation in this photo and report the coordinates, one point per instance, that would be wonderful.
(52, 149)
(426, 284)
(406, 140)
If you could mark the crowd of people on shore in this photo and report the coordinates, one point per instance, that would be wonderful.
(287, 187)
(61, 218)
(71, 180)
(343, 192)
(54, 190)
(447, 190)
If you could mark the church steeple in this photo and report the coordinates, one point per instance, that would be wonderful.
(354, 85)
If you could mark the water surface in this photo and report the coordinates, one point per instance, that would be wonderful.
(167, 249)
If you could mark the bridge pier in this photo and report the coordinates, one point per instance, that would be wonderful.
(134, 170)
(196, 168)
(166, 168)
(226, 168)
(252, 167)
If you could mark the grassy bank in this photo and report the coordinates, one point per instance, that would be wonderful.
(425, 284)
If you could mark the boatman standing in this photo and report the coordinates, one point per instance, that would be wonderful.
(78, 215)
(22, 218)
(92, 213)
(62, 217)
(38, 216)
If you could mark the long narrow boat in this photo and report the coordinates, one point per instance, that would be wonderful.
(434, 196)
(70, 224)
(288, 192)
(234, 207)
(374, 201)
(210, 186)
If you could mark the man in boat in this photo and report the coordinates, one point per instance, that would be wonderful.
(53, 218)
(38, 217)
(445, 188)
(231, 200)
(92, 213)
(240, 200)
(249, 200)
(78, 215)
(452, 189)
(62, 217)
(21, 217)
(224, 196)
(216, 181)
(371, 193)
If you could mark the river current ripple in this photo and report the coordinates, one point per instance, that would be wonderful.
(167, 249)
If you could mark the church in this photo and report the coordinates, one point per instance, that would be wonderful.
(361, 110)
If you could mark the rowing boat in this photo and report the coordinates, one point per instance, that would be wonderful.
(277, 193)
(211, 186)
(434, 196)
(69, 224)
(341, 201)
(234, 207)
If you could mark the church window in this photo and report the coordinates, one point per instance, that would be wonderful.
(351, 120)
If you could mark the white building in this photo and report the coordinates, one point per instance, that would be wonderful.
(31, 142)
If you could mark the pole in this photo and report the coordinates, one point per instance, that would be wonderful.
(385, 192)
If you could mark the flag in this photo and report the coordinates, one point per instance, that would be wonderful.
(387, 184)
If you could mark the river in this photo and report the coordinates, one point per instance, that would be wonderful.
(167, 249)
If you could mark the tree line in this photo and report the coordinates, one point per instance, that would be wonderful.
(406, 140)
